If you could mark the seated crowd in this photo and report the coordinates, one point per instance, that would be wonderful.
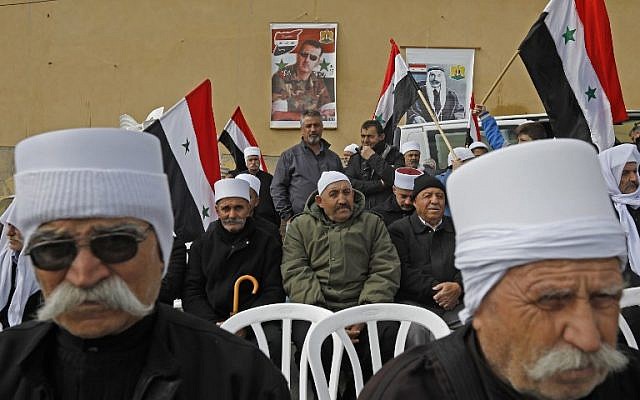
(526, 267)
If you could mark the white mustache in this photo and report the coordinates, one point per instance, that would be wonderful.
(112, 292)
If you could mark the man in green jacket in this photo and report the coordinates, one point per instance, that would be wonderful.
(337, 255)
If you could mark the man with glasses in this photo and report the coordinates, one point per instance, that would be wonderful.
(95, 213)
(299, 87)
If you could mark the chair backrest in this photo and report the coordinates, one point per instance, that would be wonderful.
(369, 314)
(285, 312)
(630, 297)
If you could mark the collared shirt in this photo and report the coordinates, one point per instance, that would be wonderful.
(433, 228)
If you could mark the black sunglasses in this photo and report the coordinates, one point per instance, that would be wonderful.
(110, 248)
(312, 57)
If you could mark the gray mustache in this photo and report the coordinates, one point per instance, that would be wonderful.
(112, 292)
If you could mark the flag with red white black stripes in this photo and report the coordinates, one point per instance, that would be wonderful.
(187, 133)
(237, 136)
(569, 55)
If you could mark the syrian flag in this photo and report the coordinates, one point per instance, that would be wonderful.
(237, 136)
(472, 124)
(399, 92)
(187, 133)
(569, 55)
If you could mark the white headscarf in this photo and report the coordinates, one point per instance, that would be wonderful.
(26, 283)
(612, 162)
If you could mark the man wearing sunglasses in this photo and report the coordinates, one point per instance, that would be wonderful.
(299, 87)
(95, 213)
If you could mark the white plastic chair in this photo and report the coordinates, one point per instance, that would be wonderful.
(630, 297)
(369, 314)
(285, 312)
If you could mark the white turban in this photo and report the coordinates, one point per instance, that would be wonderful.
(225, 188)
(612, 162)
(251, 151)
(547, 201)
(352, 148)
(462, 153)
(329, 177)
(254, 182)
(93, 173)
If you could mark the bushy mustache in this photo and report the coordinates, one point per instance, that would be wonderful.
(112, 292)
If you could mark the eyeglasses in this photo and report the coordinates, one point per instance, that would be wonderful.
(110, 248)
(312, 57)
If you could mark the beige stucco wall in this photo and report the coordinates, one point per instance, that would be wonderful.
(71, 63)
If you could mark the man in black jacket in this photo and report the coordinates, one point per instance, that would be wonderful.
(426, 244)
(97, 224)
(265, 208)
(371, 170)
(234, 247)
(543, 282)
(399, 204)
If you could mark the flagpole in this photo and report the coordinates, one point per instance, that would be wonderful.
(435, 121)
(499, 78)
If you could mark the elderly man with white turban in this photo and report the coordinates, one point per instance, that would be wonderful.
(338, 255)
(20, 294)
(95, 212)
(541, 261)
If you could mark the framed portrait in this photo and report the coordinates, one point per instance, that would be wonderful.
(303, 73)
(445, 77)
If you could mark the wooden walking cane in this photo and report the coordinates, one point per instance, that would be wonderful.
(236, 290)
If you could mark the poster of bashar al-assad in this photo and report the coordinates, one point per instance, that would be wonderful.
(445, 77)
(303, 73)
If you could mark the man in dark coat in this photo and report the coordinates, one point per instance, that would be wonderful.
(399, 204)
(543, 282)
(300, 167)
(426, 244)
(265, 208)
(100, 244)
(371, 170)
(232, 248)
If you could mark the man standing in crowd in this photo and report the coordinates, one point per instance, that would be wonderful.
(542, 286)
(265, 207)
(426, 244)
(620, 171)
(337, 255)
(372, 170)
(298, 87)
(348, 152)
(20, 294)
(411, 153)
(96, 218)
(399, 204)
(300, 166)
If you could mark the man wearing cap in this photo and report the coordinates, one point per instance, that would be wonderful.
(336, 255)
(96, 218)
(254, 188)
(463, 155)
(411, 153)
(399, 204)
(426, 243)
(348, 152)
(233, 247)
(443, 101)
(300, 166)
(542, 277)
(371, 170)
(620, 171)
(20, 294)
(478, 148)
(265, 208)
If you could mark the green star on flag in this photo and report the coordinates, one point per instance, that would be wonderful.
(568, 35)
(324, 64)
(205, 212)
(591, 93)
(186, 146)
(380, 119)
(281, 65)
